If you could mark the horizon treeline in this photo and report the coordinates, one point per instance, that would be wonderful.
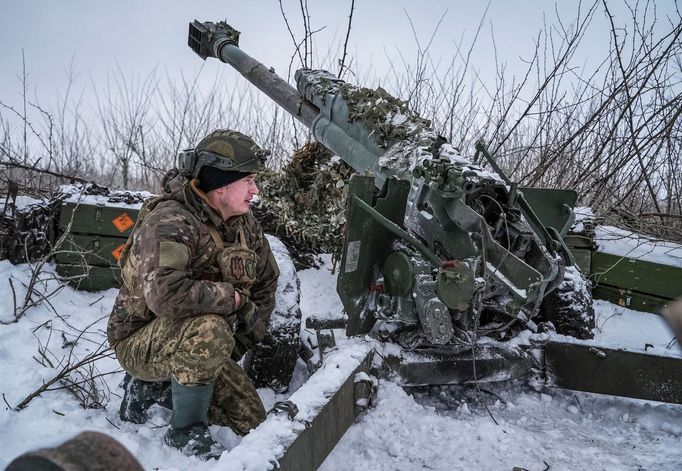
(611, 131)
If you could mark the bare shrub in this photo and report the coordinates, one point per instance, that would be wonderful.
(611, 131)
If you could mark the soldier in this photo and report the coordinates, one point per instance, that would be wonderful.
(199, 288)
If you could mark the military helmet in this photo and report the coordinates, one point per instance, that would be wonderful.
(226, 150)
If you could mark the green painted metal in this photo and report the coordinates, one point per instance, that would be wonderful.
(583, 258)
(512, 271)
(616, 372)
(635, 284)
(637, 275)
(553, 206)
(398, 274)
(368, 244)
(96, 219)
(581, 247)
(631, 299)
(579, 241)
(527, 210)
(90, 278)
(448, 365)
(455, 287)
(312, 446)
(397, 231)
(92, 249)
(87, 258)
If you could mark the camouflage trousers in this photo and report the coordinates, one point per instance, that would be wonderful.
(195, 350)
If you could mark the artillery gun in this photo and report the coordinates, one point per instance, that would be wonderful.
(437, 249)
(443, 260)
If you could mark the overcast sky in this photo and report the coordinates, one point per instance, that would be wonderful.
(142, 35)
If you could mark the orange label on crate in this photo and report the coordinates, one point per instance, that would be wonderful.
(118, 251)
(123, 222)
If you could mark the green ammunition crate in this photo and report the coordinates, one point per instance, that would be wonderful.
(102, 251)
(88, 258)
(583, 258)
(579, 241)
(97, 219)
(630, 299)
(90, 278)
(653, 279)
(581, 247)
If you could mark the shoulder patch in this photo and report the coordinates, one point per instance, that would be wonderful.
(273, 264)
(173, 254)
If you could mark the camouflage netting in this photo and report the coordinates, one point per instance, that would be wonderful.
(388, 117)
(100, 194)
(385, 116)
(27, 227)
(304, 204)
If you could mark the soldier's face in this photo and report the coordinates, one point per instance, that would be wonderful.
(234, 199)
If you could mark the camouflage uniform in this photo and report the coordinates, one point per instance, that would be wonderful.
(176, 316)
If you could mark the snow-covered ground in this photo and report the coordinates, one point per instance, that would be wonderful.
(446, 428)
(439, 428)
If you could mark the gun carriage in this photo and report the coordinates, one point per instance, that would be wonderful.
(437, 248)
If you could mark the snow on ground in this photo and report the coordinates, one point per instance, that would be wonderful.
(440, 428)
(447, 428)
(61, 332)
(620, 327)
(318, 291)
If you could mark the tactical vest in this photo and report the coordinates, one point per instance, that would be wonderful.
(235, 263)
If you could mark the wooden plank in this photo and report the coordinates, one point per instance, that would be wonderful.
(637, 275)
(581, 367)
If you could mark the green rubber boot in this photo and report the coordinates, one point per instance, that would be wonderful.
(188, 431)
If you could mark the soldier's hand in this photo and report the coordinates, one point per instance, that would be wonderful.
(247, 314)
(242, 344)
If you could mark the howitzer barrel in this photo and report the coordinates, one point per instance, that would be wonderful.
(442, 206)
(314, 104)
(221, 41)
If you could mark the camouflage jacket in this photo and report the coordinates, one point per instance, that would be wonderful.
(170, 267)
